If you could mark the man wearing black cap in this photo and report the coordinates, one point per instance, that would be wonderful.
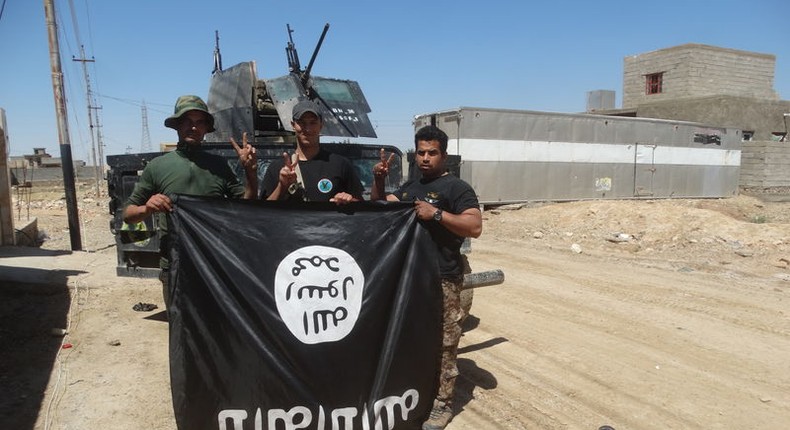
(188, 170)
(311, 173)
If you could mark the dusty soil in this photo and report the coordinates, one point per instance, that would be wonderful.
(633, 314)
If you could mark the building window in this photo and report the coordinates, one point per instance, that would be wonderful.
(747, 135)
(653, 83)
(707, 138)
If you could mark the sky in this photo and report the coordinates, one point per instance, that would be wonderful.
(410, 57)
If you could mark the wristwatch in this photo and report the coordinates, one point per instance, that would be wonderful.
(437, 216)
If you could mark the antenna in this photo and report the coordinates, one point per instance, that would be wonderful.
(145, 145)
(217, 54)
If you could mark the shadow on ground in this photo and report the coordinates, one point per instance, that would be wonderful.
(30, 251)
(28, 314)
(160, 316)
(470, 375)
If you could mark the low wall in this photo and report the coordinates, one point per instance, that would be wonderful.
(53, 174)
(765, 164)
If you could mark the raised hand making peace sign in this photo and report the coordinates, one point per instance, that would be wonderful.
(246, 152)
(382, 168)
(288, 172)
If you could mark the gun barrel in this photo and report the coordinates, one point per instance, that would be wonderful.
(306, 74)
(483, 279)
(290, 51)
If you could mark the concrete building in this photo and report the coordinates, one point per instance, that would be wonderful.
(706, 84)
(39, 159)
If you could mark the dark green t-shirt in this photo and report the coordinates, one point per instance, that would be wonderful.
(184, 171)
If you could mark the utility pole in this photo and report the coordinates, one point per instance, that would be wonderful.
(99, 143)
(96, 157)
(63, 127)
(7, 232)
(145, 144)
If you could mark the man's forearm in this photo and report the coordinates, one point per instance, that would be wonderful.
(275, 195)
(251, 185)
(377, 190)
(133, 214)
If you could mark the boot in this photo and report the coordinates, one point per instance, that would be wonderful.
(440, 416)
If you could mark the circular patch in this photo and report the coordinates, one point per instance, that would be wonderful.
(318, 292)
(325, 185)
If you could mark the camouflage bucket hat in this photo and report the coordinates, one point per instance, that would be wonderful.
(185, 104)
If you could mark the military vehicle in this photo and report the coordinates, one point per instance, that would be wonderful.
(241, 102)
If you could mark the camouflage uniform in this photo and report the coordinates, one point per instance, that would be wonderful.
(452, 316)
(451, 195)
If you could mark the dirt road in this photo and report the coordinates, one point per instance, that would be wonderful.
(686, 325)
(576, 342)
(632, 314)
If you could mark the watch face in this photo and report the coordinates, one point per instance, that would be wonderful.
(437, 215)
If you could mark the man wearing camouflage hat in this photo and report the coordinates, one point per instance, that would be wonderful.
(188, 170)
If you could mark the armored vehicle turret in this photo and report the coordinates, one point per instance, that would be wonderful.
(240, 101)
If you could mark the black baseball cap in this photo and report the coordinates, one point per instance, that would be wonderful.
(303, 107)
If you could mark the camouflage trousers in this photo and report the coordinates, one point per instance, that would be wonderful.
(452, 315)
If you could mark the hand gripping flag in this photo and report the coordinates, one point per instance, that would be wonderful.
(302, 316)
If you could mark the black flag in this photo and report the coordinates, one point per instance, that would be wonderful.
(306, 316)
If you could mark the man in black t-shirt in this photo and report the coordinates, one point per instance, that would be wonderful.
(311, 173)
(449, 209)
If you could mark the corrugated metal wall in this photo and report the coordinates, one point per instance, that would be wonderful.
(515, 156)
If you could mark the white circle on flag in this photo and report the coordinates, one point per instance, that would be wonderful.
(318, 292)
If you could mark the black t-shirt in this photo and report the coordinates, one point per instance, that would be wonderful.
(449, 194)
(324, 175)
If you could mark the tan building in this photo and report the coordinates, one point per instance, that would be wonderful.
(706, 84)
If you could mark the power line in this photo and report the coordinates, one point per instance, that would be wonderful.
(74, 23)
(135, 103)
(90, 44)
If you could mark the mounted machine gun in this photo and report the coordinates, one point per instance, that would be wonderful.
(240, 101)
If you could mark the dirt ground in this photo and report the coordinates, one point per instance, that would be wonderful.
(649, 314)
